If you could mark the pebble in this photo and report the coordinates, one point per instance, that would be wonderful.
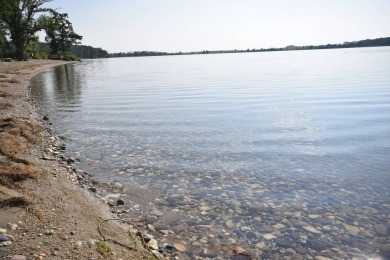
(322, 258)
(49, 232)
(211, 251)
(269, 236)
(4, 238)
(78, 244)
(91, 242)
(283, 242)
(18, 257)
(260, 245)
(380, 230)
(312, 230)
(245, 229)
(157, 213)
(229, 224)
(12, 226)
(204, 208)
(179, 247)
(153, 244)
(279, 226)
(238, 250)
(3, 231)
(315, 245)
(351, 229)
(290, 251)
(6, 243)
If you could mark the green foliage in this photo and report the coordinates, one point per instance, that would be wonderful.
(68, 56)
(21, 19)
(88, 52)
(103, 248)
(19, 16)
(59, 32)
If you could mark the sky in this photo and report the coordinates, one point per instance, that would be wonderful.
(196, 25)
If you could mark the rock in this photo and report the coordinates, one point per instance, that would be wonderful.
(241, 257)
(3, 231)
(312, 230)
(91, 242)
(238, 250)
(260, 245)
(179, 247)
(365, 233)
(251, 235)
(63, 146)
(70, 160)
(6, 243)
(380, 230)
(4, 238)
(211, 251)
(313, 216)
(205, 227)
(269, 236)
(283, 242)
(12, 226)
(179, 228)
(322, 258)
(157, 213)
(351, 229)
(93, 189)
(120, 202)
(49, 232)
(279, 226)
(315, 245)
(229, 224)
(153, 244)
(78, 244)
(19, 257)
(245, 229)
(204, 208)
(290, 251)
(45, 118)
(48, 150)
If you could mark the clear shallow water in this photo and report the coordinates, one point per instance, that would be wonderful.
(303, 131)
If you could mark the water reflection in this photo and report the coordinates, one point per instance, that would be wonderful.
(62, 86)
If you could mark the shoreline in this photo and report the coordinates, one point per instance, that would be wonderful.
(44, 212)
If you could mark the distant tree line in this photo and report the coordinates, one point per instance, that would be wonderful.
(363, 43)
(21, 20)
(88, 52)
(138, 54)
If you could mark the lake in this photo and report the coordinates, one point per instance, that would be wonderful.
(279, 153)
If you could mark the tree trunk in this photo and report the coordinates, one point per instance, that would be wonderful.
(18, 41)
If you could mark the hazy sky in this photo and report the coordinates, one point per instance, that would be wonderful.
(192, 25)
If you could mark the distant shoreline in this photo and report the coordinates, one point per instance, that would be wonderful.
(379, 42)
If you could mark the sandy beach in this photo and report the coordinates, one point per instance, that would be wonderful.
(44, 213)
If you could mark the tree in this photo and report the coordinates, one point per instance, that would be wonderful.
(20, 18)
(59, 32)
(3, 39)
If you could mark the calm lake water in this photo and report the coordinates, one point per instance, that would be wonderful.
(293, 145)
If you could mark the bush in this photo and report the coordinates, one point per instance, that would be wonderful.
(40, 56)
(66, 57)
